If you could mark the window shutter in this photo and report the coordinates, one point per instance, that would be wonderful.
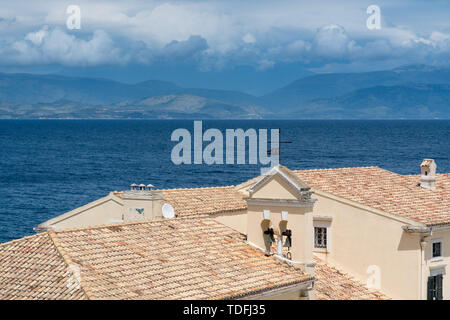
(430, 294)
(439, 287)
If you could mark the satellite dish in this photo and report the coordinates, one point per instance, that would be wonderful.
(167, 211)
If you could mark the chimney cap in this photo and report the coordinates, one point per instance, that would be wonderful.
(426, 162)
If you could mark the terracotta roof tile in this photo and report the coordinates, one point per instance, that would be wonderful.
(333, 284)
(386, 191)
(32, 268)
(204, 201)
(164, 259)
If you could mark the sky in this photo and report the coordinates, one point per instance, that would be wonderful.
(252, 46)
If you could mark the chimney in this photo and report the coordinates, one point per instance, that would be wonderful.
(141, 203)
(428, 174)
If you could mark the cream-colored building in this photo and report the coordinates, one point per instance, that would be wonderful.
(388, 231)
(193, 255)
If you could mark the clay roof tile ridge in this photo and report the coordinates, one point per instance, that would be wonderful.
(66, 258)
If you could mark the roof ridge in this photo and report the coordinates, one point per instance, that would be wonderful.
(20, 239)
(179, 189)
(101, 226)
(214, 212)
(66, 258)
(196, 188)
(316, 169)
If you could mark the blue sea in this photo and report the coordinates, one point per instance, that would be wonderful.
(50, 167)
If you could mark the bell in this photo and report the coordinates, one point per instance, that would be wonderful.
(269, 232)
(288, 234)
(271, 238)
(288, 242)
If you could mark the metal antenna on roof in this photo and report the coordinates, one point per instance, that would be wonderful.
(277, 151)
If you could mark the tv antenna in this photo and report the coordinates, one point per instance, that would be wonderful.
(277, 151)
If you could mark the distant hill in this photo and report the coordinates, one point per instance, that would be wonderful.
(408, 92)
(409, 101)
(27, 88)
(53, 96)
(178, 106)
(189, 106)
(325, 86)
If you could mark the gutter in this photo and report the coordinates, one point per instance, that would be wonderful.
(264, 294)
(440, 227)
(424, 230)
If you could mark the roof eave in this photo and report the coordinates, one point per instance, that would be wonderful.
(262, 294)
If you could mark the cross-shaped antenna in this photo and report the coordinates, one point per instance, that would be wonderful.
(277, 150)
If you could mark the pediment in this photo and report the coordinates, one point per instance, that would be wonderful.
(278, 183)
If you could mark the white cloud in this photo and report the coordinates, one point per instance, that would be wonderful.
(332, 41)
(37, 37)
(258, 33)
(56, 46)
(185, 49)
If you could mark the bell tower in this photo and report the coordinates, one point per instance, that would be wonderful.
(280, 217)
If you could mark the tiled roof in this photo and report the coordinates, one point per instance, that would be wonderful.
(161, 259)
(386, 191)
(203, 201)
(32, 268)
(372, 186)
(333, 284)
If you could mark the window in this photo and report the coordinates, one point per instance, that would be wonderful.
(321, 233)
(436, 249)
(320, 237)
(435, 287)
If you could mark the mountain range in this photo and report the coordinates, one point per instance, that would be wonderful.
(410, 92)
